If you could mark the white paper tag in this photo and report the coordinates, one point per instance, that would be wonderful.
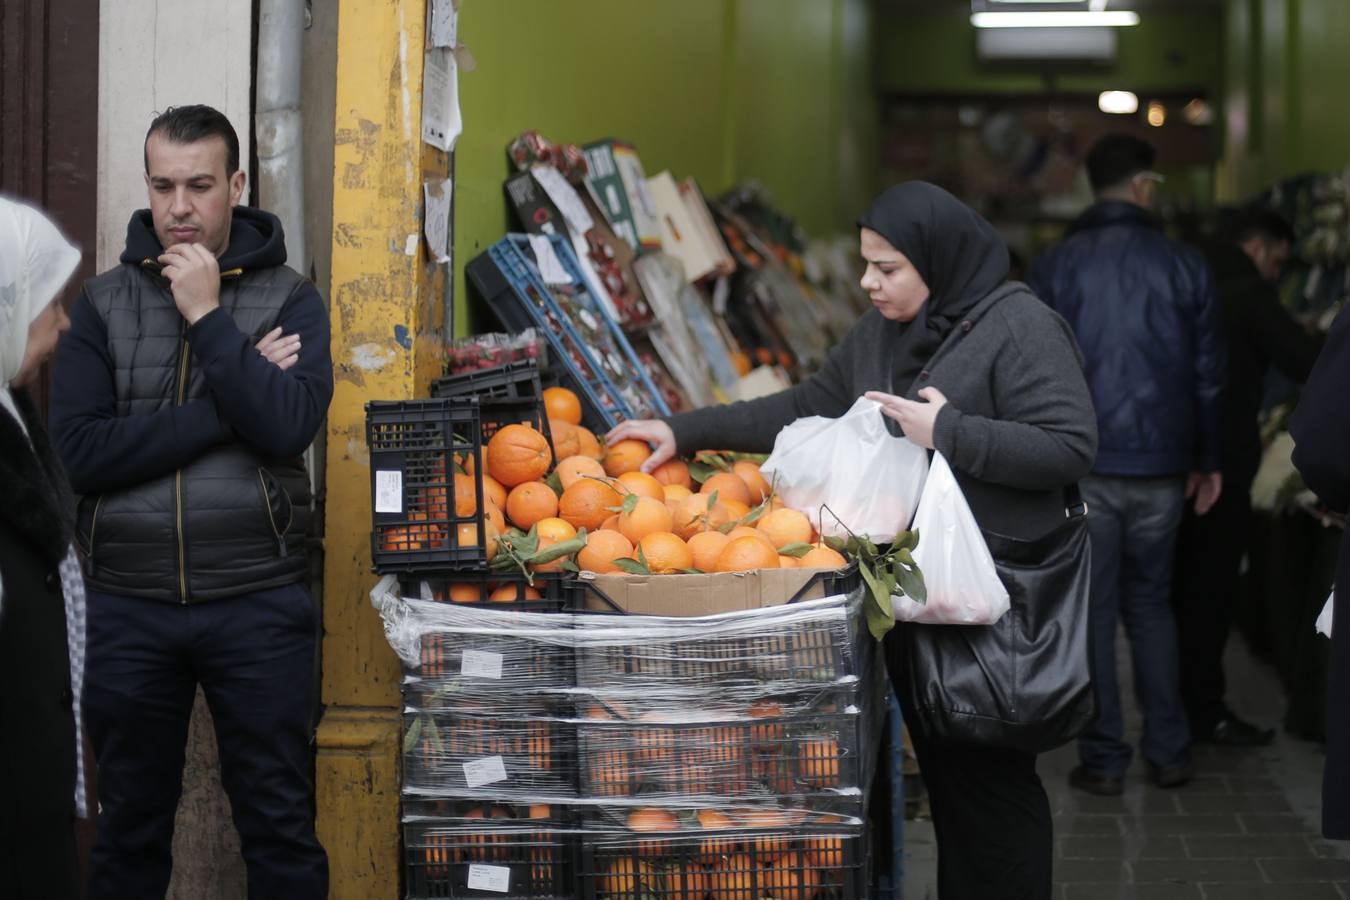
(489, 878)
(388, 491)
(488, 770)
(444, 23)
(550, 267)
(481, 664)
(565, 197)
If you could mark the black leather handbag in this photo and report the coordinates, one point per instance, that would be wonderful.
(1024, 682)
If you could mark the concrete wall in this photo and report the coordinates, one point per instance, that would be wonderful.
(154, 54)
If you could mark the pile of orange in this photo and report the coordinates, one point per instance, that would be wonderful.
(662, 522)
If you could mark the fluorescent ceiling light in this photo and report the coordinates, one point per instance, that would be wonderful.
(1068, 19)
(1121, 103)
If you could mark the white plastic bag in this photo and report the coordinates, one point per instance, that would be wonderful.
(1324, 622)
(868, 478)
(958, 571)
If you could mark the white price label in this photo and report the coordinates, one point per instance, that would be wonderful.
(481, 664)
(489, 878)
(388, 491)
(488, 770)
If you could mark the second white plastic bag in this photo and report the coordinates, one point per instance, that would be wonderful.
(958, 571)
(870, 479)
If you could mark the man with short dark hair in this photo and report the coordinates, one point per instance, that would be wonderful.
(1143, 310)
(195, 375)
(1246, 259)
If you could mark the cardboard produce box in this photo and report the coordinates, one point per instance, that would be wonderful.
(711, 593)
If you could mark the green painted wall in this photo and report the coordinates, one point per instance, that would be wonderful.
(935, 53)
(1286, 66)
(724, 90)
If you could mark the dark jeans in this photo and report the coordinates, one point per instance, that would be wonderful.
(1133, 523)
(991, 818)
(1205, 586)
(253, 655)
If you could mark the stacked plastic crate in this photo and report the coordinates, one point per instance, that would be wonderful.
(726, 756)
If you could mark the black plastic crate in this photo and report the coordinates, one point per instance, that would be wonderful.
(771, 748)
(551, 591)
(507, 752)
(810, 859)
(499, 858)
(513, 381)
(480, 667)
(784, 656)
(416, 449)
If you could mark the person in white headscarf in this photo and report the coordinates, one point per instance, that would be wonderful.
(41, 588)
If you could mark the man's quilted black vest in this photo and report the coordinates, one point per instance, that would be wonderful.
(231, 521)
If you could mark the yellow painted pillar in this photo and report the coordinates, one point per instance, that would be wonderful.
(387, 316)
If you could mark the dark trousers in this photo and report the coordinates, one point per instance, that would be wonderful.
(253, 656)
(995, 838)
(1133, 523)
(1205, 587)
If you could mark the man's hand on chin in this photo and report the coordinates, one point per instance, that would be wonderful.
(194, 279)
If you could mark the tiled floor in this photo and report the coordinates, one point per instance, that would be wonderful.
(1244, 829)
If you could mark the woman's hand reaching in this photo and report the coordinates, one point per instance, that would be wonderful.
(916, 419)
(654, 432)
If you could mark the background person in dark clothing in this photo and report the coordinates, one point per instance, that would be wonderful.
(1321, 432)
(1143, 310)
(186, 443)
(1246, 259)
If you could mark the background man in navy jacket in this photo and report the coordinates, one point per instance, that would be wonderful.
(186, 445)
(1143, 310)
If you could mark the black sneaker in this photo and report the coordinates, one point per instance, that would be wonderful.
(1085, 779)
(1234, 732)
(1170, 776)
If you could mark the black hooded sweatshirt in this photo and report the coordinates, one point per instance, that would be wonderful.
(236, 398)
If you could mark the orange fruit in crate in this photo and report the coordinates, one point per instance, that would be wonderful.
(726, 485)
(529, 502)
(787, 562)
(555, 565)
(695, 880)
(785, 526)
(588, 503)
(627, 455)
(674, 492)
(731, 878)
(741, 531)
(768, 735)
(463, 592)
(822, 557)
(674, 472)
(688, 516)
(712, 850)
(555, 529)
(642, 484)
(572, 469)
(588, 444)
(602, 548)
(517, 454)
(818, 761)
(466, 536)
(776, 822)
(746, 553)
(494, 491)
(646, 517)
(626, 877)
(398, 537)
(756, 482)
(565, 441)
(562, 403)
(610, 774)
(735, 509)
(540, 811)
(611, 524)
(824, 851)
(438, 854)
(665, 553)
(494, 515)
(648, 819)
(510, 593)
(705, 546)
(788, 877)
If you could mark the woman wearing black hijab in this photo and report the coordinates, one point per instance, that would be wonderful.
(982, 371)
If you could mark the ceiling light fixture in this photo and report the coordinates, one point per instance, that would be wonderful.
(1068, 19)
(1157, 113)
(1120, 103)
